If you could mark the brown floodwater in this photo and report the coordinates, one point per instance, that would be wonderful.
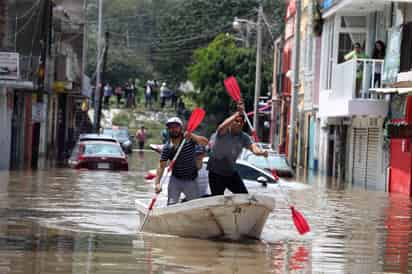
(68, 221)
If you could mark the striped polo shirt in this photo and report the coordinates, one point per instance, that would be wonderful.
(185, 165)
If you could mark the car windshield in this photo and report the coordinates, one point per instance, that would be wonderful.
(102, 149)
(118, 133)
(274, 161)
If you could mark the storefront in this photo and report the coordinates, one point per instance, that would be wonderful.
(398, 80)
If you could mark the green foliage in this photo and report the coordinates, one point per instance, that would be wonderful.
(121, 119)
(222, 58)
(155, 39)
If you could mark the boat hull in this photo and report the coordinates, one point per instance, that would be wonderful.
(233, 216)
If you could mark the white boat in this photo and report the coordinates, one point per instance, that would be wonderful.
(232, 216)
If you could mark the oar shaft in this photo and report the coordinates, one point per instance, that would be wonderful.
(179, 149)
(248, 121)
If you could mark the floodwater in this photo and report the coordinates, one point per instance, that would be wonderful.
(67, 221)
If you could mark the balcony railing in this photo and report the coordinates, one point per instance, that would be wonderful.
(353, 79)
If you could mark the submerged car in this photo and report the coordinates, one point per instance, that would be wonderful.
(121, 134)
(104, 155)
(277, 162)
(253, 177)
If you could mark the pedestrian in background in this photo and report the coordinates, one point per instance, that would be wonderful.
(148, 95)
(107, 93)
(163, 91)
(357, 53)
(141, 137)
(378, 53)
(119, 93)
(165, 136)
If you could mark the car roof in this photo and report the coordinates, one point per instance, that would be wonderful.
(96, 137)
(93, 142)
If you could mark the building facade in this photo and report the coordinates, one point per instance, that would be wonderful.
(38, 39)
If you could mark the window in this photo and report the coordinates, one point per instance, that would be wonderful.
(353, 22)
(327, 53)
(102, 149)
(249, 173)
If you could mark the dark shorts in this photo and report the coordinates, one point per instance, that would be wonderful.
(141, 144)
(218, 184)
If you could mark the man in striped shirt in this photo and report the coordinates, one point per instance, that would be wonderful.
(184, 173)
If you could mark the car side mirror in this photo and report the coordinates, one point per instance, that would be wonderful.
(263, 180)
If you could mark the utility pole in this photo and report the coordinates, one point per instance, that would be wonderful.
(98, 89)
(295, 84)
(85, 45)
(103, 75)
(258, 67)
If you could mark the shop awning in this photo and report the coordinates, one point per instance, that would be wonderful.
(17, 84)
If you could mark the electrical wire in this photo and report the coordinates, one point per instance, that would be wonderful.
(21, 29)
(29, 10)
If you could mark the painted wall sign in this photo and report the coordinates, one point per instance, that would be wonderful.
(9, 65)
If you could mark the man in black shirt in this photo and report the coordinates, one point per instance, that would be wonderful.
(184, 172)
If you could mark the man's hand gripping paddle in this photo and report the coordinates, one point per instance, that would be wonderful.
(232, 87)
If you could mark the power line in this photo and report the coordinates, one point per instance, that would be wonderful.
(28, 11)
(21, 29)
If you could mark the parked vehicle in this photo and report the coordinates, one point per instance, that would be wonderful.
(277, 162)
(253, 177)
(92, 154)
(122, 135)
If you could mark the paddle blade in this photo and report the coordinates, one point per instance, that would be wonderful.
(300, 222)
(232, 88)
(195, 119)
(150, 176)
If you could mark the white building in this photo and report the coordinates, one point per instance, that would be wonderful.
(352, 145)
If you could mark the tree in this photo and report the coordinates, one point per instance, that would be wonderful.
(156, 38)
(223, 58)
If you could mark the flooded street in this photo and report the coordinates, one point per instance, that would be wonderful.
(68, 221)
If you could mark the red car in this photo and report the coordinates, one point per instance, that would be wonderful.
(98, 155)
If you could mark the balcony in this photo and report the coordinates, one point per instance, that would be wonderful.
(349, 95)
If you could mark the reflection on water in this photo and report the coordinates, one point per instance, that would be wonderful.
(66, 221)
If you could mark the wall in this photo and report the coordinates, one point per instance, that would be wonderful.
(5, 129)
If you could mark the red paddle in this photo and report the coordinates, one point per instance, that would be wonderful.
(194, 121)
(300, 222)
(233, 89)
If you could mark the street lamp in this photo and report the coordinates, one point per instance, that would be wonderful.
(238, 26)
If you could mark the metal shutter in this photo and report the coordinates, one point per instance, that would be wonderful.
(372, 158)
(360, 147)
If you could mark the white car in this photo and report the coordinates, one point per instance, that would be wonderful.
(255, 179)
